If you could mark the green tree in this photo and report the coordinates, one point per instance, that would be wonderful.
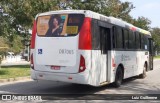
(3, 45)
(21, 13)
(142, 22)
(5, 25)
(15, 44)
(24, 11)
(114, 8)
(156, 38)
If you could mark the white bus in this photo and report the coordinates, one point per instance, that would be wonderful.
(84, 47)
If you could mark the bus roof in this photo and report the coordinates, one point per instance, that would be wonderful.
(98, 16)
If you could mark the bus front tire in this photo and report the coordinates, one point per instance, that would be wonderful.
(118, 77)
(143, 75)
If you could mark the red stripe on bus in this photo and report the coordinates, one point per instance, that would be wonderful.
(85, 35)
(33, 35)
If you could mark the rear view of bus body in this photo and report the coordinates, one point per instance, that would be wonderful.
(77, 46)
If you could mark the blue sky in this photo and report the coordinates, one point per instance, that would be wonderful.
(147, 8)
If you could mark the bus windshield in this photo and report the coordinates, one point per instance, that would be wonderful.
(59, 25)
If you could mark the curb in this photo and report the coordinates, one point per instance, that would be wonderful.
(15, 79)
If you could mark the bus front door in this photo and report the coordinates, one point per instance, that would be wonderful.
(105, 46)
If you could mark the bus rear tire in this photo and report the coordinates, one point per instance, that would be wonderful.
(118, 78)
(143, 75)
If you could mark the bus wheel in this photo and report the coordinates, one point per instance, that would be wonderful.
(143, 75)
(118, 77)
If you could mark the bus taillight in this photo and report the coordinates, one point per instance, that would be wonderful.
(82, 65)
(33, 35)
(32, 63)
(85, 35)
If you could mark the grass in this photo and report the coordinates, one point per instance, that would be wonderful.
(157, 57)
(14, 71)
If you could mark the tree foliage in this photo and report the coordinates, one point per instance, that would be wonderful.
(22, 13)
(142, 22)
(5, 26)
(156, 37)
(114, 8)
(15, 44)
(3, 45)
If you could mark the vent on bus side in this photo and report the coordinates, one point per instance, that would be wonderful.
(33, 35)
(85, 35)
(82, 65)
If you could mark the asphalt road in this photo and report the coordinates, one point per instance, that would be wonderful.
(149, 85)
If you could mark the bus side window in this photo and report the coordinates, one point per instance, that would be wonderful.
(105, 39)
(134, 41)
(126, 33)
(119, 38)
(146, 43)
(102, 40)
(131, 40)
(95, 35)
(114, 37)
(142, 41)
(137, 40)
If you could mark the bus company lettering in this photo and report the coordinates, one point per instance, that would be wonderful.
(125, 58)
(66, 51)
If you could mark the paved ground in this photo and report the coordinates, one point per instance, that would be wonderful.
(149, 85)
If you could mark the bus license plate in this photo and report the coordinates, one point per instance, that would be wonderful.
(55, 67)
